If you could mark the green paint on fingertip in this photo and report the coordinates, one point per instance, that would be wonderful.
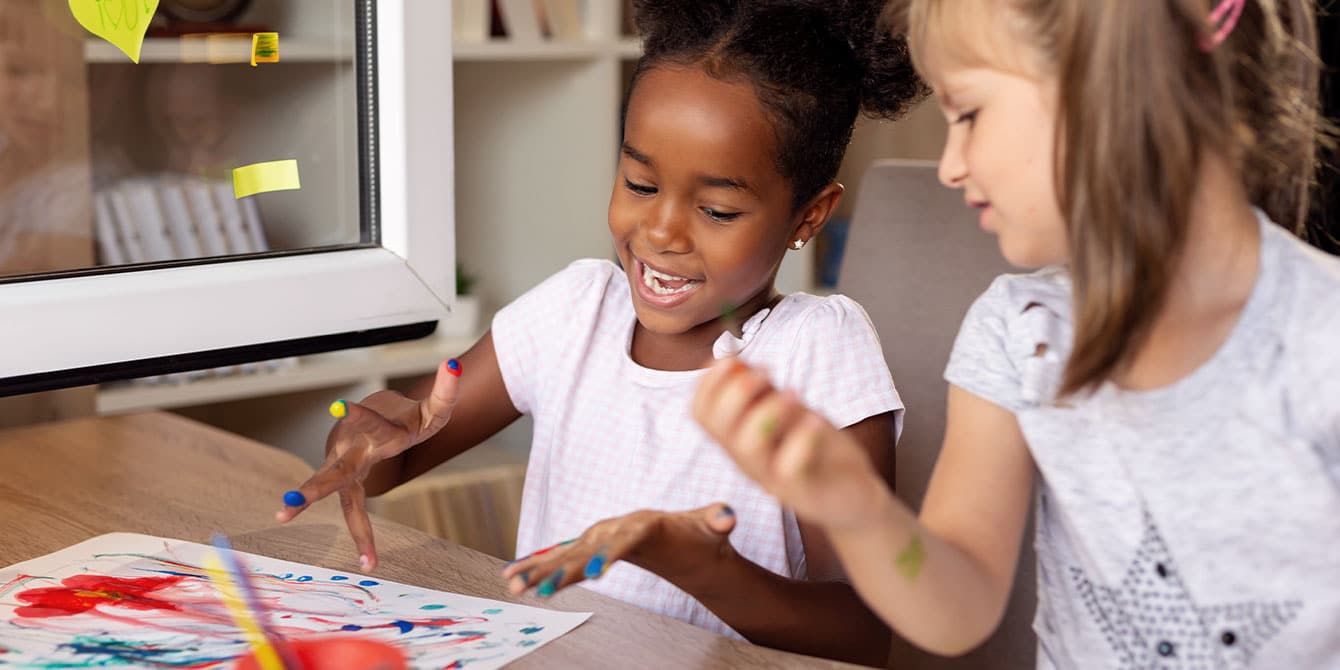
(550, 584)
(910, 560)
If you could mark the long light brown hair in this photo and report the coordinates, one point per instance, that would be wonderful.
(1141, 102)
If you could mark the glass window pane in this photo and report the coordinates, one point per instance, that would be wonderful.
(107, 162)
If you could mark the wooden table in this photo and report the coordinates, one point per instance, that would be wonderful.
(164, 475)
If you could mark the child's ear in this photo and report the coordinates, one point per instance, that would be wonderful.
(815, 215)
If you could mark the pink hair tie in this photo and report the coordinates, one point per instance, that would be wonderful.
(1225, 15)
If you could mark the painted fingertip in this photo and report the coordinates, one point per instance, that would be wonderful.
(295, 499)
(550, 584)
(454, 367)
(364, 562)
(339, 409)
(524, 577)
(595, 567)
(769, 427)
(725, 511)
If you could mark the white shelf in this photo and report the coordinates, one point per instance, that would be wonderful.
(228, 50)
(507, 50)
(312, 372)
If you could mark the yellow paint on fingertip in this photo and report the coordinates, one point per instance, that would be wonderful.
(266, 177)
(264, 48)
(123, 23)
(338, 409)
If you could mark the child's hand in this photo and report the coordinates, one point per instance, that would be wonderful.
(385, 424)
(812, 467)
(674, 545)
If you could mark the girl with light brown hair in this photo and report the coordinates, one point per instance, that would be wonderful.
(1167, 381)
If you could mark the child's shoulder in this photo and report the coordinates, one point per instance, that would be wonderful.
(1009, 296)
(822, 316)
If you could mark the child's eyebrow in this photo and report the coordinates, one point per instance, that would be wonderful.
(636, 155)
(733, 183)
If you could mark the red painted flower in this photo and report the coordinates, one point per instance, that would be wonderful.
(82, 593)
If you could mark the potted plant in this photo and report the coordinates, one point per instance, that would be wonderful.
(464, 318)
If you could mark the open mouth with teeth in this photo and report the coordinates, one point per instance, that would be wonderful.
(661, 283)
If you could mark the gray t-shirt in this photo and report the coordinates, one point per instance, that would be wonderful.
(1195, 525)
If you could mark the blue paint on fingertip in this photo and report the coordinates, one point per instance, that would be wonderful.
(595, 567)
(295, 499)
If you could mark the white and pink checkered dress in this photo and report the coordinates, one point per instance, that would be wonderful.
(613, 437)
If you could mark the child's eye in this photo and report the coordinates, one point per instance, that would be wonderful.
(717, 215)
(639, 188)
(967, 117)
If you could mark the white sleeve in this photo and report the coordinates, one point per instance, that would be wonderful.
(980, 362)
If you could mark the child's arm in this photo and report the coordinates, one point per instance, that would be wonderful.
(368, 451)
(941, 581)
(691, 550)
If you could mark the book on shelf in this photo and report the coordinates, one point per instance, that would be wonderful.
(470, 20)
(521, 20)
(564, 19)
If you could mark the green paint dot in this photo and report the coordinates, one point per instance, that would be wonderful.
(910, 560)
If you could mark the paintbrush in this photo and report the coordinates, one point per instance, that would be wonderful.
(271, 652)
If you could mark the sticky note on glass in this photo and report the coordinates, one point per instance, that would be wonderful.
(265, 177)
(264, 48)
(121, 22)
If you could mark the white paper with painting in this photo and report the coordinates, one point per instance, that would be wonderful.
(127, 600)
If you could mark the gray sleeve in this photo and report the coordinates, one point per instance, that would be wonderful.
(980, 362)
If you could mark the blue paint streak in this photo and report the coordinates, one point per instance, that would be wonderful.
(351, 626)
(368, 582)
(493, 611)
(403, 625)
(531, 630)
(432, 607)
(305, 578)
(338, 578)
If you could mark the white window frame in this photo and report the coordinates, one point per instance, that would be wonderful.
(51, 327)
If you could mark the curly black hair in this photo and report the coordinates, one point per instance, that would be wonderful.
(815, 65)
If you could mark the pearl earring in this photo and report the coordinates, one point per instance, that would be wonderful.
(798, 245)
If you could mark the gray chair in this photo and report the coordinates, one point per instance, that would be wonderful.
(916, 259)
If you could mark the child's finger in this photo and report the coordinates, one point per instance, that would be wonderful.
(360, 434)
(798, 454)
(737, 393)
(336, 474)
(354, 503)
(704, 399)
(531, 560)
(761, 429)
(440, 403)
(718, 518)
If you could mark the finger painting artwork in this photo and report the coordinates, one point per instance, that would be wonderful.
(135, 601)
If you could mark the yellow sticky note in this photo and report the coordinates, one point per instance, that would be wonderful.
(121, 22)
(264, 48)
(266, 177)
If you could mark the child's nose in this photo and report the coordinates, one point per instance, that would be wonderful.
(952, 169)
(667, 229)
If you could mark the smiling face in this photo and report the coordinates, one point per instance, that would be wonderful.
(1000, 151)
(700, 215)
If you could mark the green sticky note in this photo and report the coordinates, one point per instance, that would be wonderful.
(121, 22)
(266, 177)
